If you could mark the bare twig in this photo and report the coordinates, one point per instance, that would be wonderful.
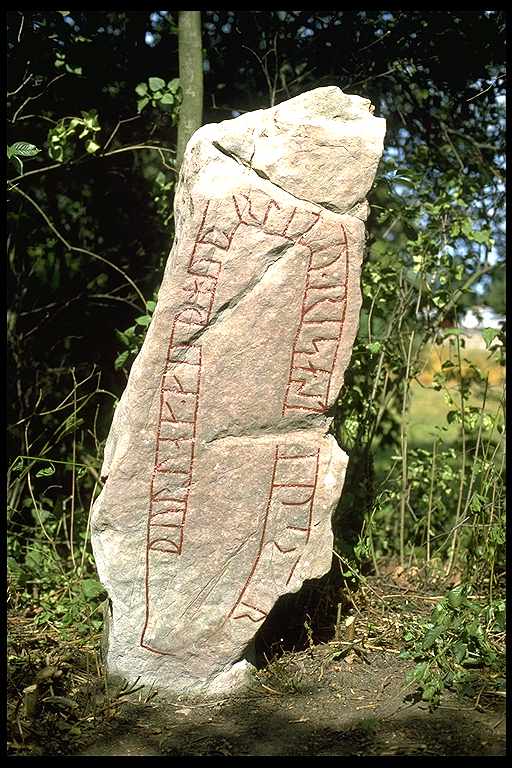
(462, 477)
(37, 96)
(87, 529)
(430, 498)
(452, 145)
(27, 80)
(73, 475)
(372, 77)
(272, 86)
(378, 40)
(80, 250)
(21, 26)
(86, 158)
(38, 117)
(493, 83)
(126, 120)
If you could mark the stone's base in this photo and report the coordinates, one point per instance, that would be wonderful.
(220, 477)
(230, 681)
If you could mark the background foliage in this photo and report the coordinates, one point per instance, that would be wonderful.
(93, 101)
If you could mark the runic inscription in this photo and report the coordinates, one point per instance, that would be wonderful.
(319, 328)
(221, 475)
(290, 505)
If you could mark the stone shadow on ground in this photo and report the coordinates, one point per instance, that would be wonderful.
(297, 725)
(301, 618)
(309, 702)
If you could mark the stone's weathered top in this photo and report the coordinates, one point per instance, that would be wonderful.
(221, 479)
(322, 147)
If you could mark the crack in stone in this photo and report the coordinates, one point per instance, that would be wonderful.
(352, 210)
(233, 156)
(263, 433)
(278, 252)
(262, 175)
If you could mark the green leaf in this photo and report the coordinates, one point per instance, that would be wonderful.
(173, 85)
(46, 472)
(374, 347)
(141, 89)
(483, 236)
(167, 98)
(73, 70)
(92, 588)
(488, 335)
(18, 465)
(143, 320)
(91, 147)
(121, 360)
(431, 636)
(439, 613)
(467, 228)
(156, 83)
(123, 338)
(418, 673)
(460, 651)
(452, 416)
(33, 559)
(40, 515)
(141, 103)
(151, 306)
(22, 149)
(455, 597)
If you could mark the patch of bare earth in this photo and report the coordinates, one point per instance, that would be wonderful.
(343, 696)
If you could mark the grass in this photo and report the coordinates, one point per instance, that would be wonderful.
(430, 407)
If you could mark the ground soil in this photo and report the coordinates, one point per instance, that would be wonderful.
(315, 707)
(336, 697)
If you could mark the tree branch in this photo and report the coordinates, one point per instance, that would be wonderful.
(86, 158)
(80, 250)
(493, 83)
(127, 120)
(27, 80)
(37, 96)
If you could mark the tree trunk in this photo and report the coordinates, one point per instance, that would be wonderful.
(191, 78)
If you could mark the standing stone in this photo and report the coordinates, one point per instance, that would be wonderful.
(220, 475)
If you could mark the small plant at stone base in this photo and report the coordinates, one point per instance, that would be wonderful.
(44, 585)
(461, 638)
